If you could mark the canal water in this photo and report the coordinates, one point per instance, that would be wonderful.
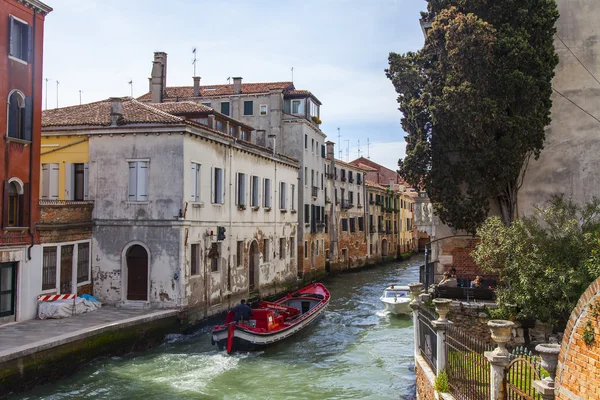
(355, 351)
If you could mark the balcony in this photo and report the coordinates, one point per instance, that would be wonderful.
(346, 205)
(350, 180)
(343, 179)
(315, 191)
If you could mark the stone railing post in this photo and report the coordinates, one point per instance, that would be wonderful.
(549, 355)
(499, 357)
(442, 307)
(415, 291)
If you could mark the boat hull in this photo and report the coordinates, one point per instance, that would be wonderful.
(397, 308)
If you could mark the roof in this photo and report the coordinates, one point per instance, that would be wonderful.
(182, 107)
(337, 161)
(374, 185)
(178, 92)
(365, 167)
(98, 114)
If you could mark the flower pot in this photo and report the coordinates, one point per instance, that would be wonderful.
(549, 354)
(442, 307)
(415, 290)
(501, 334)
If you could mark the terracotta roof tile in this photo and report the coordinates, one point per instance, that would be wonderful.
(98, 114)
(337, 161)
(182, 107)
(375, 185)
(183, 92)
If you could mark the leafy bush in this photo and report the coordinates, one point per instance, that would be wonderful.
(441, 382)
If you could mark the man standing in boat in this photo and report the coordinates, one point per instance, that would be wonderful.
(242, 311)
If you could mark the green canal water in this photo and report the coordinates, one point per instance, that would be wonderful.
(355, 351)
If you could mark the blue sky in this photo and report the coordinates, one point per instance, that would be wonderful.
(338, 49)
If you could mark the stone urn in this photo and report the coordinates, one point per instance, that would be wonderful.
(501, 334)
(549, 354)
(442, 307)
(415, 290)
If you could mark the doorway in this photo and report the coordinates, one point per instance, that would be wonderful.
(8, 283)
(254, 258)
(137, 273)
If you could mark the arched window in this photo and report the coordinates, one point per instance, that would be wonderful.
(13, 204)
(19, 116)
(15, 208)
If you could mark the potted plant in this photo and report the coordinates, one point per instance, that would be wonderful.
(255, 208)
(241, 207)
(283, 210)
(267, 208)
(293, 211)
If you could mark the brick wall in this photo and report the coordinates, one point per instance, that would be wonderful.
(578, 374)
(425, 389)
(65, 221)
(460, 251)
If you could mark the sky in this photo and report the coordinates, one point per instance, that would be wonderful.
(338, 50)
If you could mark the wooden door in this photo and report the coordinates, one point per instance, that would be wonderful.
(137, 273)
(8, 281)
(66, 269)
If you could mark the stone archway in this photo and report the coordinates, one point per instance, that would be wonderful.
(136, 259)
(572, 381)
(254, 263)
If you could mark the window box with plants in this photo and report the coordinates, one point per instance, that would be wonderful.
(255, 208)
(293, 211)
(241, 207)
(316, 120)
(267, 208)
(283, 210)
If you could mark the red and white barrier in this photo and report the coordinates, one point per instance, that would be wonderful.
(52, 297)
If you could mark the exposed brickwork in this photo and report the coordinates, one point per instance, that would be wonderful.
(578, 374)
(460, 249)
(59, 221)
(87, 289)
(425, 389)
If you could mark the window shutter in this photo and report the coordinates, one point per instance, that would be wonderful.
(142, 181)
(30, 38)
(222, 185)
(45, 181)
(5, 205)
(69, 181)
(53, 182)
(13, 112)
(194, 182)
(237, 188)
(132, 181)
(86, 180)
(24, 206)
(243, 189)
(28, 128)
(212, 185)
(11, 40)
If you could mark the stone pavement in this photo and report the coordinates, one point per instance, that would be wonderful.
(28, 337)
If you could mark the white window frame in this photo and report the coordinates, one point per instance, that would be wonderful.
(300, 107)
(292, 196)
(141, 190)
(266, 108)
(240, 189)
(282, 196)
(217, 195)
(195, 179)
(22, 61)
(267, 192)
(74, 263)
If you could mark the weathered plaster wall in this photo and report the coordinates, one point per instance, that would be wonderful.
(569, 162)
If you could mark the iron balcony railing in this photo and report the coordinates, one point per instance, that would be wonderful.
(315, 191)
(346, 204)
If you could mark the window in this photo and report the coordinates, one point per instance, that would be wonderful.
(358, 179)
(49, 268)
(254, 190)
(49, 182)
(248, 107)
(231, 130)
(297, 107)
(13, 197)
(8, 280)
(305, 249)
(21, 40)
(207, 104)
(214, 255)
(292, 246)
(343, 177)
(282, 248)
(312, 177)
(240, 188)
(344, 225)
(138, 181)
(317, 247)
(350, 179)
(83, 262)
(305, 141)
(323, 150)
(266, 250)
(306, 213)
(220, 125)
(314, 109)
(225, 108)
(240, 253)
(267, 193)
(293, 196)
(282, 196)
(352, 225)
(312, 145)
(263, 109)
(305, 176)
(19, 116)
(195, 259)
(195, 181)
(350, 197)
(322, 181)
(361, 224)
(217, 186)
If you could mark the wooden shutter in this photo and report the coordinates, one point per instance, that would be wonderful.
(24, 206)
(28, 127)
(86, 180)
(212, 185)
(243, 196)
(11, 37)
(142, 181)
(194, 182)
(30, 39)
(237, 188)
(53, 182)
(5, 205)
(13, 112)
(132, 181)
(45, 181)
(69, 181)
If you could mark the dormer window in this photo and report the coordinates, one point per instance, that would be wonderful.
(19, 116)
(314, 109)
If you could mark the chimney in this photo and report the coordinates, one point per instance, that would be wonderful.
(116, 110)
(150, 84)
(158, 81)
(237, 85)
(196, 86)
(162, 58)
(330, 149)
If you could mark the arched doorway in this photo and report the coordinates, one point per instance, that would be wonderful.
(137, 273)
(254, 257)
(384, 248)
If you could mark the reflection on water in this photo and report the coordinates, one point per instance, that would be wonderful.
(355, 351)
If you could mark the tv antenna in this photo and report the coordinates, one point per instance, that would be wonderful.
(368, 149)
(57, 93)
(131, 86)
(228, 79)
(347, 141)
(358, 148)
(292, 74)
(194, 62)
(340, 142)
(79, 96)
(46, 101)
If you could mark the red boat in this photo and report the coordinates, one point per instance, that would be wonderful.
(272, 321)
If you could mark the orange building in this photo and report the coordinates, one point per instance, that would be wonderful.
(21, 54)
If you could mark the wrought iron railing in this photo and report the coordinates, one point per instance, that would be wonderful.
(523, 369)
(427, 337)
(315, 191)
(467, 368)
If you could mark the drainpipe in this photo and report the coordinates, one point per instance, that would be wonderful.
(231, 203)
(31, 227)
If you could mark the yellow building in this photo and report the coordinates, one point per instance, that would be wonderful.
(406, 239)
(64, 165)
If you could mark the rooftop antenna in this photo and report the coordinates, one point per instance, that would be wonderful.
(292, 74)
(340, 143)
(46, 106)
(131, 86)
(194, 62)
(79, 96)
(358, 148)
(368, 149)
(347, 149)
(57, 93)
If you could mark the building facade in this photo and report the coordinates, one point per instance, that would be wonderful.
(21, 55)
(185, 215)
(284, 119)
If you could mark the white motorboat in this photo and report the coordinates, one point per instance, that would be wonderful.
(396, 299)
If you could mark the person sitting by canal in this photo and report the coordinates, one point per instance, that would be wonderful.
(448, 281)
(453, 272)
(242, 311)
(477, 283)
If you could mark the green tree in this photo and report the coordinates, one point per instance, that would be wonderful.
(545, 261)
(475, 102)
